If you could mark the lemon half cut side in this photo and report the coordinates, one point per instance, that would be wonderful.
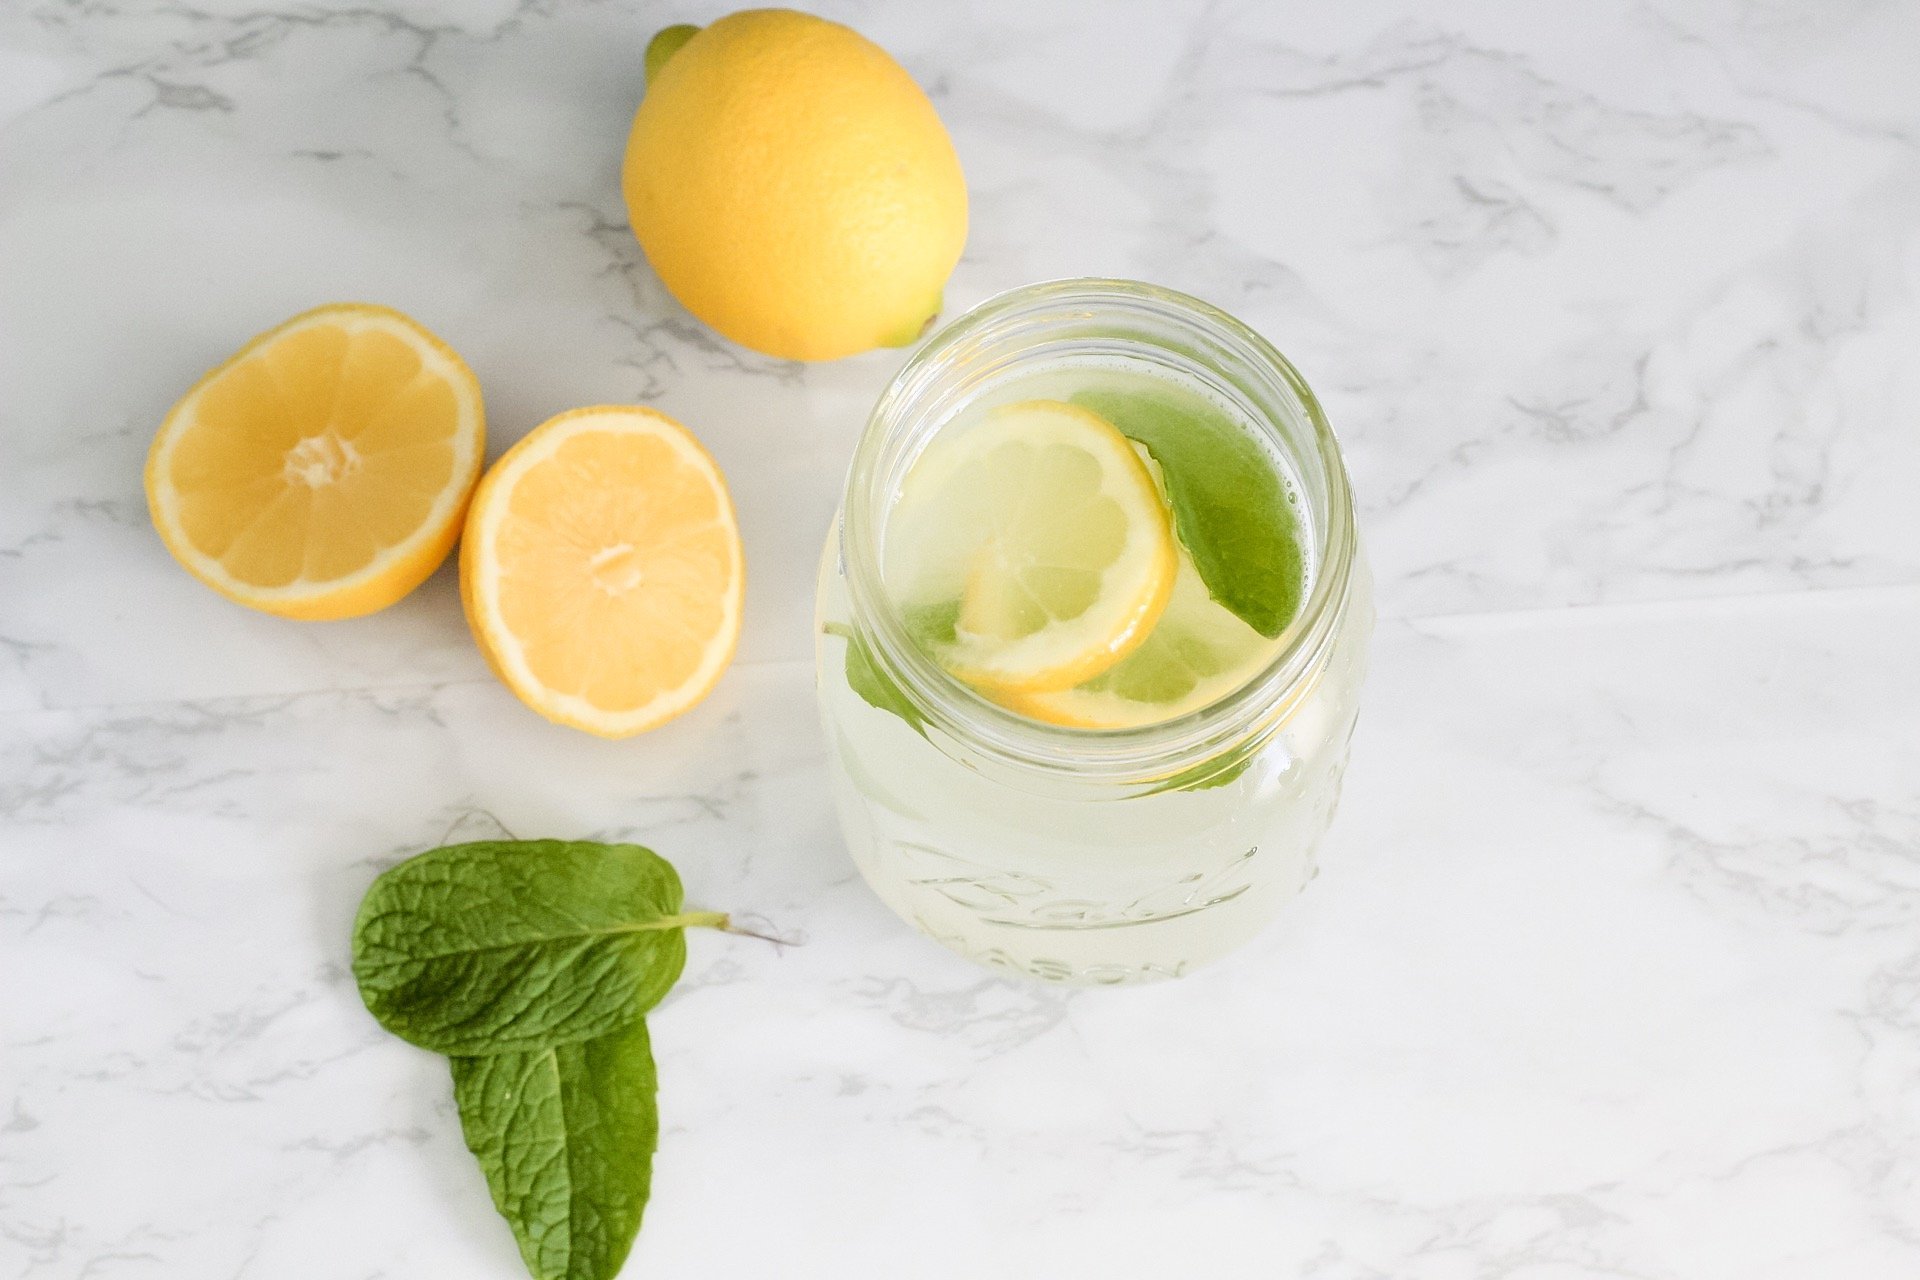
(602, 570)
(323, 470)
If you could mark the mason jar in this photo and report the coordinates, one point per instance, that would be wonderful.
(1076, 855)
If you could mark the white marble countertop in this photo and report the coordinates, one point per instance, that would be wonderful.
(1613, 969)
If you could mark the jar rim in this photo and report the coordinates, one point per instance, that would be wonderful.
(989, 736)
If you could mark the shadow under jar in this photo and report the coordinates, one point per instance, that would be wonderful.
(1089, 855)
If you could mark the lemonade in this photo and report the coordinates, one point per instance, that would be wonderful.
(983, 564)
(1092, 626)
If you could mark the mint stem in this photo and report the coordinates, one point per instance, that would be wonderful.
(697, 920)
(721, 921)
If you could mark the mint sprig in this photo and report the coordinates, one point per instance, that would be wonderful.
(532, 965)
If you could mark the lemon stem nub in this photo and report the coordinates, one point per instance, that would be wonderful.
(665, 44)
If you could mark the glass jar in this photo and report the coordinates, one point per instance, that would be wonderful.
(1066, 854)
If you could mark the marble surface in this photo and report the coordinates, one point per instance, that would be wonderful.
(1614, 966)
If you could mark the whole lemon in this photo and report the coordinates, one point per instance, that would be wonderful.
(793, 186)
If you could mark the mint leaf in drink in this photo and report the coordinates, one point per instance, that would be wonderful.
(1230, 506)
(1204, 776)
(565, 1136)
(932, 626)
(874, 686)
(514, 945)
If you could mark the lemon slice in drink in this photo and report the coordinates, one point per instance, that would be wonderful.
(1199, 653)
(1031, 551)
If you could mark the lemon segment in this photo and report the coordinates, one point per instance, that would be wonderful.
(1046, 528)
(322, 471)
(602, 570)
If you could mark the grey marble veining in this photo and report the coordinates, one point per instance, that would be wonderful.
(1613, 967)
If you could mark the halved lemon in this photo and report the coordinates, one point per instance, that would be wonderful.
(602, 570)
(323, 470)
(1036, 542)
(1199, 653)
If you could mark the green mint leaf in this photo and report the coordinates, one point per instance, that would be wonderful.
(875, 687)
(508, 945)
(565, 1136)
(1201, 777)
(932, 626)
(1230, 507)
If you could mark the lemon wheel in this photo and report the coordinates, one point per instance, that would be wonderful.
(1031, 551)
